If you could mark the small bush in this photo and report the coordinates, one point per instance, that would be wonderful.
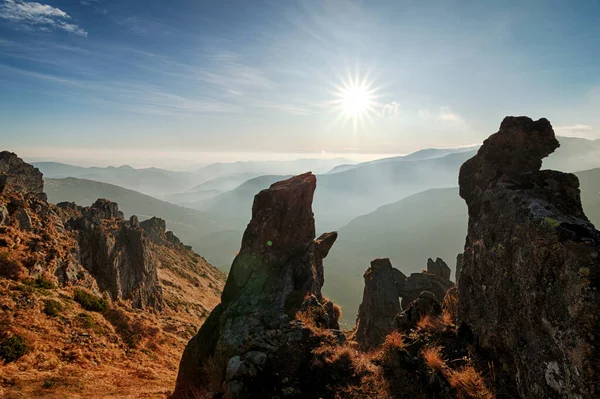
(9, 267)
(433, 358)
(52, 307)
(12, 348)
(41, 283)
(392, 348)
(90, 302)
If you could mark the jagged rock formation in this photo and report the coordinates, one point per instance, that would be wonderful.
(52, 256)
(531, 270)
(155, 229)
(417, 283)
(380, 304)
(117, 254)
(280, 264)
(16, 175)
(438, 268)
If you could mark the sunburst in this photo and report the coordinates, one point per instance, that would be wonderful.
(355, 99)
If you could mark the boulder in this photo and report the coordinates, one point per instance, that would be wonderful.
(279, 265)
(530, 276)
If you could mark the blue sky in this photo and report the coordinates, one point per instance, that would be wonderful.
(118, 80)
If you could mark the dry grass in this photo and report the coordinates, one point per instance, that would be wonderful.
(431, 324)
(391, 349)
(450, 307)
(468, 383)
(433, 358)
(214, 371)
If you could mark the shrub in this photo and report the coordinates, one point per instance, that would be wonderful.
(89, 301)
(52, 307)
(41, 283)
(9, 267)
(392, 348)
(12, 348)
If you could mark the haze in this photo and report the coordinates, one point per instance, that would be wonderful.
(95, 79)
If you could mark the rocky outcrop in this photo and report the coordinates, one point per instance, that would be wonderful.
(425, 304)
(380, 304)
(417, 283)
(16, 175)
(155, 229)
(117, 253)
(531, 268)
(438, 268)
(279, 265)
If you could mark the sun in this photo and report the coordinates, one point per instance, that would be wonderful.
(355, 99)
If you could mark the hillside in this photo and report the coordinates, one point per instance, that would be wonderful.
(151, 181)
(188, 224)
(92, 304)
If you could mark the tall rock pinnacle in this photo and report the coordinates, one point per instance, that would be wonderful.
(278, 268)
(531, 267)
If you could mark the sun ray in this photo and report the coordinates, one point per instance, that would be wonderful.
(355, 99)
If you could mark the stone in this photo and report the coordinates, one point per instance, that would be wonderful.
(19, 176)
(23, 218)
(104, 209)
(425, 304)
(529, 282)
(257, 358)
(379, 306)
(438, 268)
(155, 229)
(279, 265)
(417, 283)
(3, 215)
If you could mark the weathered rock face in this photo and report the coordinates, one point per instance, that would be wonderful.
(531, 268)
(438, 268)
(417, 283)
(459, 263)
(278, 266)
(380, 304)
(117, 253)
(155, 229)
(16, 175)
(425, 304)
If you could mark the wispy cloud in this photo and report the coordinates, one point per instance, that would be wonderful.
(446, 114)
(390, 109)
(577, 130)
(37, 16)
(573, 128)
